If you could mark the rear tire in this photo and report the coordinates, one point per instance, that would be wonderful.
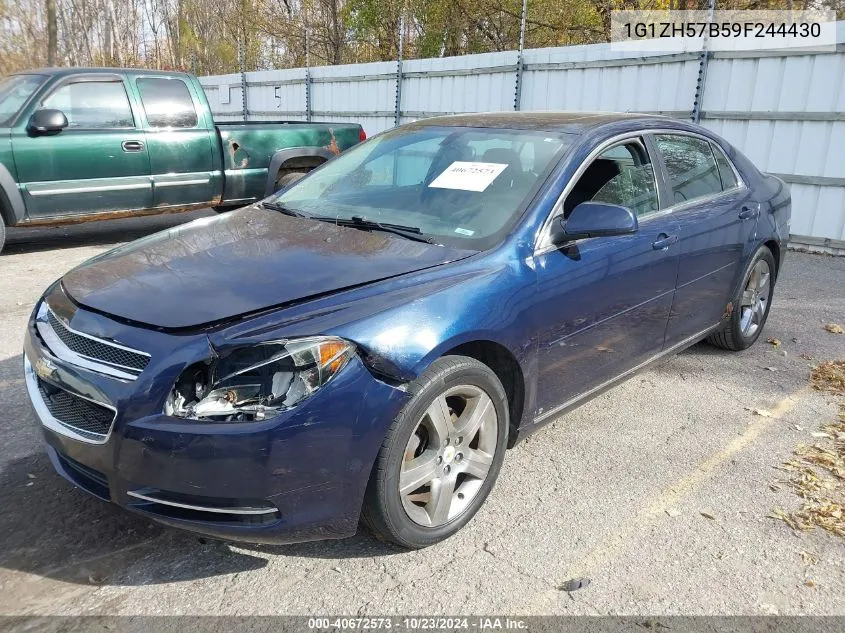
(440, 457)
(288, 177)
(2, 234)
(750, 305)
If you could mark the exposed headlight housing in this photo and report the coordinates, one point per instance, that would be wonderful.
(257, 382)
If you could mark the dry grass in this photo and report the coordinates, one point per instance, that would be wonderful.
(830, 377)
(817, 471)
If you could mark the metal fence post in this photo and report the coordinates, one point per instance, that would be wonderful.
(397, 114)
(244, 88)
(517, 97)
(307, 74)
(308, 95)
(703, 62)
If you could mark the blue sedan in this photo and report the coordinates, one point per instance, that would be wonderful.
(365, 344)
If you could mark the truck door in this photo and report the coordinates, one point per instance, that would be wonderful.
(99, 163)
(181, 143)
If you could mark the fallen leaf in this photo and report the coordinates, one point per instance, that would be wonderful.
(760, 412)
(819, 434)
(810, 558)
(834, 328)
(707, 516)
(773, 341)
(574, 584)
(809, 583)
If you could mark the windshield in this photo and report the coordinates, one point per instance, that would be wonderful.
(14, 91)
(461, 186)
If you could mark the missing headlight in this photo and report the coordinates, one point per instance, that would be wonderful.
(256, 382)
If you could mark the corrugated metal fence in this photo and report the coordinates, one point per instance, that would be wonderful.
(784, 109)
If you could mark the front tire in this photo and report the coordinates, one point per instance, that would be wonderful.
(2, 234)
(751, 304)
(440, 457)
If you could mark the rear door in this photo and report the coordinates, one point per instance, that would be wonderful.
(99, 163)
(716, 217)
(180, 141)
(603, 302)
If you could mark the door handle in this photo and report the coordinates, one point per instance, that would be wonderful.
(664, 242)
(747, 213)
(132, 146)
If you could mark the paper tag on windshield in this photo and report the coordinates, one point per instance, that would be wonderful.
(468, 176)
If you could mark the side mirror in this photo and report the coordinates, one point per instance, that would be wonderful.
(594, 219)
(47, 121)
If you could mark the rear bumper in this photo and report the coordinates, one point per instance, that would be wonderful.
(299, 476)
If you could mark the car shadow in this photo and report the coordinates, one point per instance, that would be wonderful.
(20, 240)
(50, 529)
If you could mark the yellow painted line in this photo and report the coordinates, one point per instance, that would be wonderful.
(671, 495)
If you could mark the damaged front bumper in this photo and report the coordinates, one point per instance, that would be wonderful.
(298, 476)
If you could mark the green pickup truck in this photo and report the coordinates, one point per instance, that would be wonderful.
(81, 144)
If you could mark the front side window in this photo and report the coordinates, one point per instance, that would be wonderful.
(690, 166)
(167, 102)
(621, 175)
(92, 104)
(461, 186)
(14, 92)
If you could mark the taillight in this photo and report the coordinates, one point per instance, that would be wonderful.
(362, 135)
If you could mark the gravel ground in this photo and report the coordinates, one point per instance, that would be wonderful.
(657, 492)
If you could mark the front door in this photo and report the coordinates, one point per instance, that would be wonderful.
(603, 302)
(717, 218)
(180, 143)
(99, 163)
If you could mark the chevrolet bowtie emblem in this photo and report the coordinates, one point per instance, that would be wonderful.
(44, 367)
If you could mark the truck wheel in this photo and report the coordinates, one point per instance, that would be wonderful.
(287, 177)
(2, 234)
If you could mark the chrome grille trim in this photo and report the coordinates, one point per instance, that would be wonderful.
(45, 323)
(190, 506)
(54, 424)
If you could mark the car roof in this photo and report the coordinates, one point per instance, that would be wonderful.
(64, 72)
(569, 122)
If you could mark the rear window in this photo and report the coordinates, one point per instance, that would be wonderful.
(167, 102)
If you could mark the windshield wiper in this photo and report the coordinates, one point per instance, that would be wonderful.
(275, 206)
(409, 232)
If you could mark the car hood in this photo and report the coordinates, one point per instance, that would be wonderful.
(214, 269)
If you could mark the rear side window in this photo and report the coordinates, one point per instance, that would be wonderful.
(92, 104)
(690, 166)
(167, 102)
(726, 172)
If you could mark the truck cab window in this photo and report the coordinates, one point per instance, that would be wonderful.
(167, 102)
(92, 104)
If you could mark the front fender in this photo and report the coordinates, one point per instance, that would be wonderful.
(16, 210)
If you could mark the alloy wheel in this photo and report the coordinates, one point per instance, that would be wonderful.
(448, 456)
(755, 299)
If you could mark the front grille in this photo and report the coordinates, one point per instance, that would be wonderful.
(87, 418)
(95, 349)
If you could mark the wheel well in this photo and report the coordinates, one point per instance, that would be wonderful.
(773, 246)
(507, 370)
(300, 163)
